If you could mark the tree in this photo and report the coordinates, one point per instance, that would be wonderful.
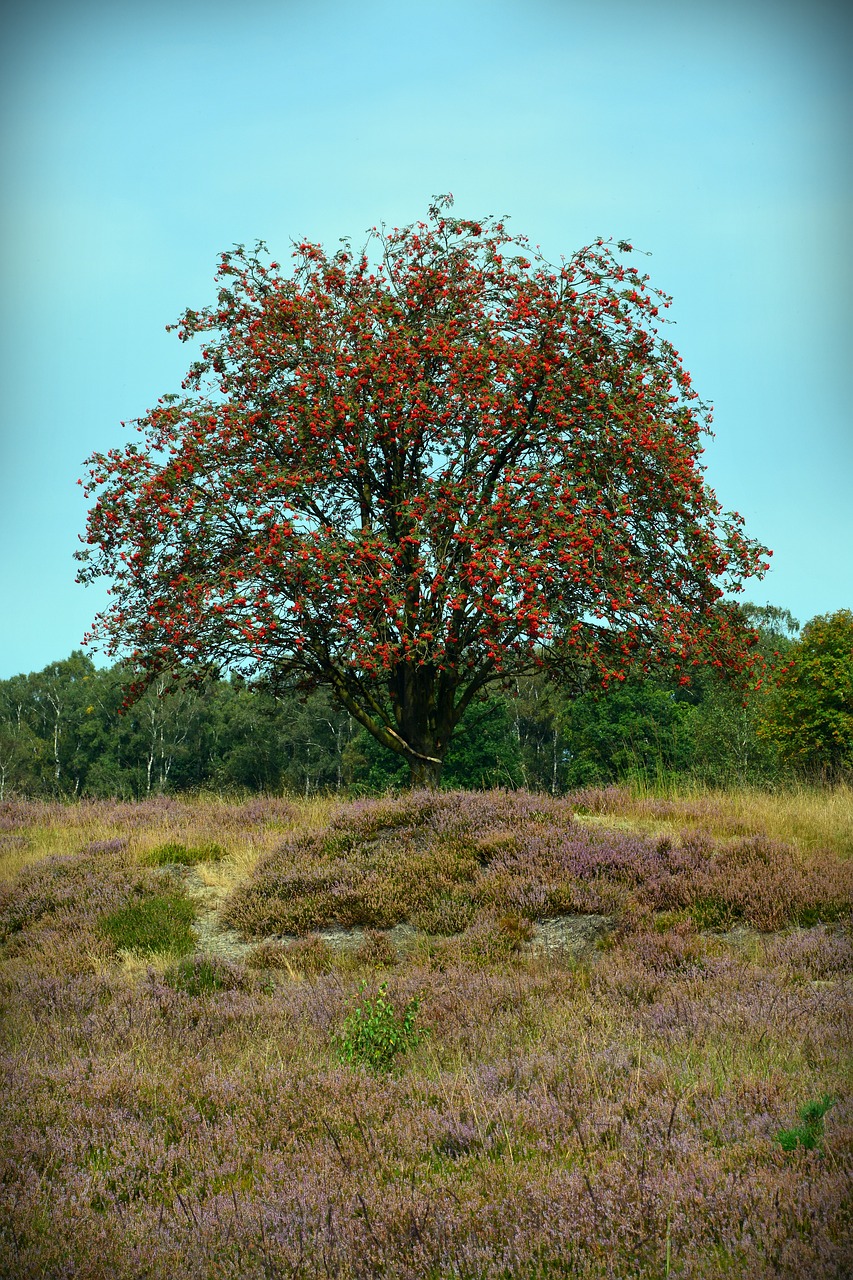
(411, 476)
(810, 711)
(636, 730)
(22, 752)
(729, 748)
(537, 710)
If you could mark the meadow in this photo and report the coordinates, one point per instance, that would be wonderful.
(439, 1035)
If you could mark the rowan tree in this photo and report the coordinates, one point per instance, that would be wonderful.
(416, 470)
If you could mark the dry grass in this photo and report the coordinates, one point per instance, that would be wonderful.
(812, 818)
(33, 829)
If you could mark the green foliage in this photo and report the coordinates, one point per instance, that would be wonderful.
(649, 731)
(713, 912)
(822, 913)
(374, 1035)
(483, 752)
(61, 733)
(638, 729)
(176, 854)
(809, 1131)
(202, 975)
(156, 924)
(726, 747)
(536, 707)
(371, 768)
(777, 628)
(810, 713)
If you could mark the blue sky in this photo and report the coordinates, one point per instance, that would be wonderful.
(141, 139)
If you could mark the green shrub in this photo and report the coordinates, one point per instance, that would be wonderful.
(172, 854)
(713, 912)
(809, 1132)
(202, 975)
(374, 1035)
(155, 924)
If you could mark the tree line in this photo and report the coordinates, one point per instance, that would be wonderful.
(65, 731)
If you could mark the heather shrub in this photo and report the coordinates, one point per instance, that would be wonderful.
(115, 845)
(766, 884)
(174, 853)
(302, 886)
(267, 955)
(159, 923)
(303, 957)
(376, 951)
(312, 882)
(678, 951)
(491, 939)
(518, 929)
(63, 891)
(447, 913)
(815, 954)
(364, 820)
(436, 862)
(619, 1114)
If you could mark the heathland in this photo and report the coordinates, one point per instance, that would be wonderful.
(447, 1034)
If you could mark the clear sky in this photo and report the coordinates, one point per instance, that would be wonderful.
(139, 139)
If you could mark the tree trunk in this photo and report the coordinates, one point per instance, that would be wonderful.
(425, 722)
(425, 774)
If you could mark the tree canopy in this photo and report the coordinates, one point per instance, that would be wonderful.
(413, 471)
(810, 716)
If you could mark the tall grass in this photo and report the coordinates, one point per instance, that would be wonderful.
(32, 829)
(810, 817)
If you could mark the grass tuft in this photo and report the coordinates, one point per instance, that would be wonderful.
(809, 1132)
(201, 975)
(173, 853)
(158, 924)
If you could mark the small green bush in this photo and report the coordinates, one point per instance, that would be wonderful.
(713, 912)
(172, 854)
(202, 975)
(374, 1035)
(809, 1132)
(155, 924)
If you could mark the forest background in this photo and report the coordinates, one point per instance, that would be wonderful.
(66, 731)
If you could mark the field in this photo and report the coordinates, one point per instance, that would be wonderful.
(453, 1035)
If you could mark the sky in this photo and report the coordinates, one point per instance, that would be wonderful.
(138, 140)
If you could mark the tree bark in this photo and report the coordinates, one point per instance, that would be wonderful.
(425, 774)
